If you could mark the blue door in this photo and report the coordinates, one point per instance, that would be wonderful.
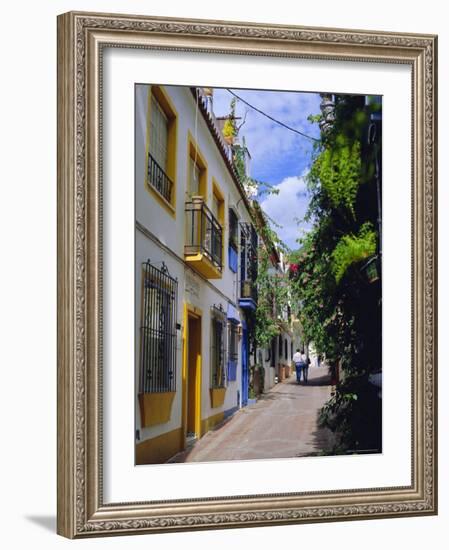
(244, 365)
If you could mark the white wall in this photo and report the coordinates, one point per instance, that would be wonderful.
(156, 218)
(170, 231)
(145, 249)
(28, 230)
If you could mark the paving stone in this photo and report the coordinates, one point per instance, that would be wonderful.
(282, 424)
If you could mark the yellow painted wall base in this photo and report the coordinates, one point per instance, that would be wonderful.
(158, 450)
(155, 408)
(203, 265)
(210, 423)
(217, 397)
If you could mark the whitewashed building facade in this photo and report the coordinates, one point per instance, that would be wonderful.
(195, 278)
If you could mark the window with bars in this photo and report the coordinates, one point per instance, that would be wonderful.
(233, 332)
(158, 134)
(158, 330)
(248, 261)
(217, 375)
(161, 127)
(233, 353)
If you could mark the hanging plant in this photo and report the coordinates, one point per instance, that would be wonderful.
(352, 249)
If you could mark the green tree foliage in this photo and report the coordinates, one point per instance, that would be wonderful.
(338, 309)
(272, 289)
(338, 170)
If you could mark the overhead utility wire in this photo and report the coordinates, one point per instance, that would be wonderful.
(271, 118)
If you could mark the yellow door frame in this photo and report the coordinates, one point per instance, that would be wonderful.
(193, 312)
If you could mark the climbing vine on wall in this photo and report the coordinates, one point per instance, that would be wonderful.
(272, 288)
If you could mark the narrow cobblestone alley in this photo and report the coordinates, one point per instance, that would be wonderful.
(282, 424)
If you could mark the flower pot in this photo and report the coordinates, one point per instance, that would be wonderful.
(281, 373)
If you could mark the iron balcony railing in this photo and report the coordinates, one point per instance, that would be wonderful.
(159, 179)
(204, 234)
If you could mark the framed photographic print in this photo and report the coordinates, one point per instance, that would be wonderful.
(246, 274)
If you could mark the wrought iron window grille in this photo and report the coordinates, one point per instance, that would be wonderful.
(158, 330)
(233, 334)
(218, 351)
(248, 261)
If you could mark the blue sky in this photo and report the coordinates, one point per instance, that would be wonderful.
(278, 156)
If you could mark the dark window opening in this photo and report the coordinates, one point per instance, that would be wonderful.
(217, 377)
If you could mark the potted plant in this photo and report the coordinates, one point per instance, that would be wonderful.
(252, 389)
(247, 288)
(229, 131)
(281, 368)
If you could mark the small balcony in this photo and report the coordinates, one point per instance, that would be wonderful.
(204, 239)
(248, 294)
(159, 180)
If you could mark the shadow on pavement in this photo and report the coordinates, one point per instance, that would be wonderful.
(273, 396)
(323, 380)
(323, 441)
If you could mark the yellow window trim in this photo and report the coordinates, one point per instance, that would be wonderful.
(218, 193)
(216, 190)
(194, 153)
(161, 96)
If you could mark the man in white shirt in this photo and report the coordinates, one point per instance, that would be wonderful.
(300, 360)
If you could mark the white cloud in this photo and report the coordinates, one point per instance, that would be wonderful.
(266, 140)
(285, 208)
(277, 152)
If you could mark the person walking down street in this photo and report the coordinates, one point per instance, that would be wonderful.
(299, 359)
(305, 370)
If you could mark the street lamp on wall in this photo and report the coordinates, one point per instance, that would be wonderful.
(371, 269)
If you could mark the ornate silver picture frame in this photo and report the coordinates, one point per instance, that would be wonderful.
(83, 510)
